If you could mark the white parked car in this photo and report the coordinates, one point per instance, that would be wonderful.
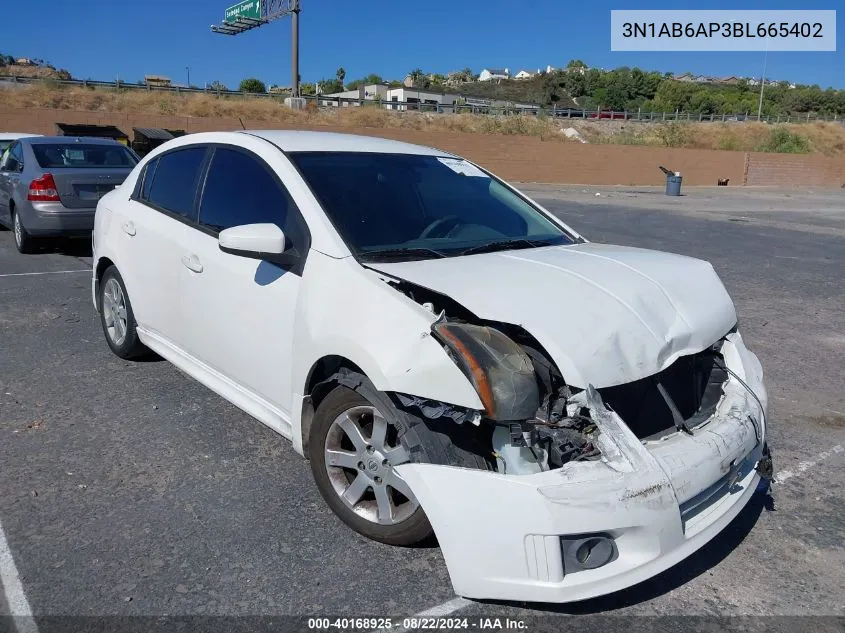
(569, 418)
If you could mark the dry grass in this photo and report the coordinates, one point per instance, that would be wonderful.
(825, 138)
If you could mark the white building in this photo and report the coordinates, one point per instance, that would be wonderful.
(524, 74)
(488, 74)
(404, 98)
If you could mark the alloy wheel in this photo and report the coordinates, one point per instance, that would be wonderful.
(114, 311)
(361, 454)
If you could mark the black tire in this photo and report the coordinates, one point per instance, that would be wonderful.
(415, 434)
(24, 242)
(131, 346)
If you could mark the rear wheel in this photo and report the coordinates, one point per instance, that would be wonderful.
(117, 318)
(24, 242)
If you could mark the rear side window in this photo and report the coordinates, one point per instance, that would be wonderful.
(174, 183)
(241, 189)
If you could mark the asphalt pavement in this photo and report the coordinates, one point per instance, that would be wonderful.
(127, 488)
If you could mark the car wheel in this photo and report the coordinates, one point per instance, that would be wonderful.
(24, 242)
(117, 318)
(358, 438)
(354, 450)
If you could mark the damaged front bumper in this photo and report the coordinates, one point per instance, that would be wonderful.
(643, 506)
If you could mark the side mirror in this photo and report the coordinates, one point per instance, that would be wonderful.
(256, 241)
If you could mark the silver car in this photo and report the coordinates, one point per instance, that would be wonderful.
(50, 185)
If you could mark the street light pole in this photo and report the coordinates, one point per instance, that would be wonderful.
(294, 55)
(188, 70)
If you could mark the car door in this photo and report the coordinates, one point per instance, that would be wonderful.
(4, 193)
(242, 309)
(10, 178)
(153, 230)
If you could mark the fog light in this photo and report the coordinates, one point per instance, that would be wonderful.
(587, 551)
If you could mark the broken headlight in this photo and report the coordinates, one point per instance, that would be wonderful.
(501, 372)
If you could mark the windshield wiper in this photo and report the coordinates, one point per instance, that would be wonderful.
(412, 253)
(504, 245)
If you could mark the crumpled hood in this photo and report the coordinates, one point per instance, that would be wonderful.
(606, 314)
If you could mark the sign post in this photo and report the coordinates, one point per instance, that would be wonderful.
(249, 14)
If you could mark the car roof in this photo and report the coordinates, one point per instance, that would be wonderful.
(306, 141)
(88, 140)
(13, 136)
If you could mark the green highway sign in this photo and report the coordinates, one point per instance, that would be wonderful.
(244, 9)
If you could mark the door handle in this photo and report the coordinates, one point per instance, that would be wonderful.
(192, 262)
(129, 228)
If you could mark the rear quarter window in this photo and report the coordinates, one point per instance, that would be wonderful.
(174, 184)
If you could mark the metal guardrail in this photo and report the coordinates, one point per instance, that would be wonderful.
(494, 106)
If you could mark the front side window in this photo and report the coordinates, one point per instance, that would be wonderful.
(411, 206)
(71, 155)
(174, 184)
(241, 189)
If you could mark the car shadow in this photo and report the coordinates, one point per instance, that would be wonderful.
(75, 247)
(691, 567)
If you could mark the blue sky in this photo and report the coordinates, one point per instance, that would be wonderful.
(102, 39)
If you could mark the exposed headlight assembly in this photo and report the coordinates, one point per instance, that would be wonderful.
(501, 372)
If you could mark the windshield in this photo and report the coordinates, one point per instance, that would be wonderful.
(4, 145)
(400, 206)
(69, 155)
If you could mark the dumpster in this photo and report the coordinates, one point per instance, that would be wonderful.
(673, 181)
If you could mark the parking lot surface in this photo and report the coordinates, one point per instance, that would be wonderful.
(127, 488)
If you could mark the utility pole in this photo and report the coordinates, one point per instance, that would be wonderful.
(294, 53)
(188, 70)
(763, 79)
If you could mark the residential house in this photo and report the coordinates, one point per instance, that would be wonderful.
(488, 74)
(685, 77)
(524, 74)
(25, 61)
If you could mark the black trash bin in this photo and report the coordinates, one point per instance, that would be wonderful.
(673, 185)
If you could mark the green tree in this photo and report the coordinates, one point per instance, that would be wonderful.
(341, 74)
(252, 85)
(217, 86)
(330, 86)
(576, 63)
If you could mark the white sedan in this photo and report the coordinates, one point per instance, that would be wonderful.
(568, 418)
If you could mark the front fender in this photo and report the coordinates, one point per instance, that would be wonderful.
(349, 311)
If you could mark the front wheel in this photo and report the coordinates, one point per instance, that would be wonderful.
(354, 450)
